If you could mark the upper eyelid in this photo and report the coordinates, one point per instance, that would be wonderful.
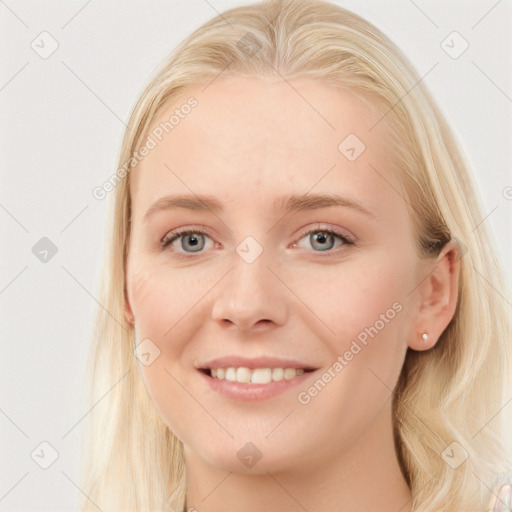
(171, 237)
(176, 233)
(335, 231)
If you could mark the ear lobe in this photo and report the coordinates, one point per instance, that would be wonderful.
(438, 297)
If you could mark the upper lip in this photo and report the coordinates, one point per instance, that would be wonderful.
(252, 363)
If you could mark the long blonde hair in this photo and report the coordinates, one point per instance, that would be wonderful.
(453, 393)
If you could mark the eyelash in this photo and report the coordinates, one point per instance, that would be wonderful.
(170, 237)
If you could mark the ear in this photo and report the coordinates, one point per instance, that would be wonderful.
(128, 313)
(437, 297)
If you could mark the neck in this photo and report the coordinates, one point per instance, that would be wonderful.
(364, 477)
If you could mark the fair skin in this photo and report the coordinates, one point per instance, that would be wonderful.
(247, 143)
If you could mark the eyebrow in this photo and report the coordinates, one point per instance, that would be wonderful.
(287, 204)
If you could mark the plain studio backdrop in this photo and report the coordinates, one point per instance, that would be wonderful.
(70, 75)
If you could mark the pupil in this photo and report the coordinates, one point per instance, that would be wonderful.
(192, 242)
(321, 238)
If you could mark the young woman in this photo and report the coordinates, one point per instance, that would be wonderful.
(297, 310)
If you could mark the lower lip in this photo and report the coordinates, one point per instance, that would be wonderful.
(253, 392)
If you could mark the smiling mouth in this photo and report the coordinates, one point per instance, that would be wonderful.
(244, 375)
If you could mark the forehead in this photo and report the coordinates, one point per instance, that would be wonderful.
(264, 138)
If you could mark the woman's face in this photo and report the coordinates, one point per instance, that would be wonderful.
(276, 272)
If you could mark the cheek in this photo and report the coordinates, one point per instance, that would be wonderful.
(355, 295)
(364, 301)
(160, 298)
(158, 303)
(364, 304)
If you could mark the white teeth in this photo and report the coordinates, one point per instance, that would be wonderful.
(289, 373)
(261, 376)
(243, 375)
(256, 376)
(277, 374)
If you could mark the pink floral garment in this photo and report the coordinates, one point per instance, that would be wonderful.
(502, 499)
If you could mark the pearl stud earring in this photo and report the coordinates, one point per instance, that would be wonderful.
(424, 337)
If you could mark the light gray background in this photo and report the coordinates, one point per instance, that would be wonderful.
(62, 120)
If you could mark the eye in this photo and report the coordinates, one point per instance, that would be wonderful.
(324, 240)
(188, 240)
(192, 241)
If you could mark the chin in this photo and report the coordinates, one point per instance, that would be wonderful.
(251, 458)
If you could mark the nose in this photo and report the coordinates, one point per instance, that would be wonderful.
(250, 297)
